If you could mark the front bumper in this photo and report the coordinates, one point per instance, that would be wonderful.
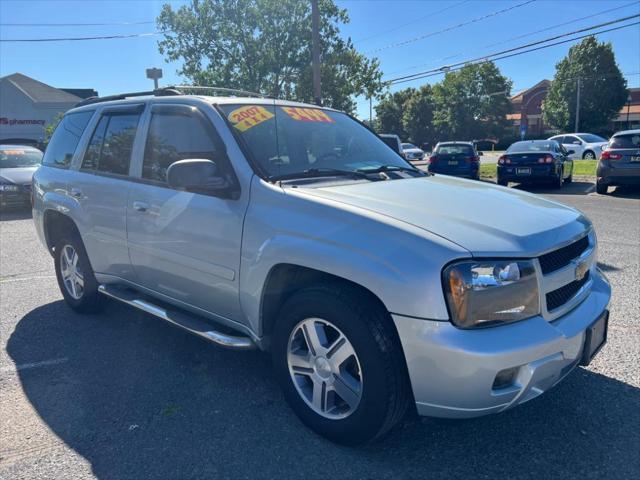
(452, 371)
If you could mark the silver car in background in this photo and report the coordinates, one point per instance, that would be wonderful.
(585, 146)
(412, 153)
(375, 286)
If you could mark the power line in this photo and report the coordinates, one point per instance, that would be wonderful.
(446, 68)
(75, 39)
(523, 35)
(433, 73)
(110, 24)
(429, 15)
(452, 27)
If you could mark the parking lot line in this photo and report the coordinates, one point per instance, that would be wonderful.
(27, 366)
(24, 279)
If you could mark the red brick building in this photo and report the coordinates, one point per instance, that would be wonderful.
(527, 110)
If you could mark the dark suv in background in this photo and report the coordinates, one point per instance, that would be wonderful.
(619, 163)
(455, 158)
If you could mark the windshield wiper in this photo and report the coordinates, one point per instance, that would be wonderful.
(319, 172)
(390, 168)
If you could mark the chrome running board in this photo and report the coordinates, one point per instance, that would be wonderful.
(183, 320)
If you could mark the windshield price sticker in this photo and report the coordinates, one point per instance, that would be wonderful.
(244, 118)
(308, 114)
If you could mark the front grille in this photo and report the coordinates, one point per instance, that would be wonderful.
(562, 257)
(562, 295)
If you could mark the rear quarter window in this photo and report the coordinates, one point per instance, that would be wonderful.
(625, 141)
(63, 143)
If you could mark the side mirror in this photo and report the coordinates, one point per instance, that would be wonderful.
(570, 152)
(200, 176)
(480, 154)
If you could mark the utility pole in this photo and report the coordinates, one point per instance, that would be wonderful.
(371, 113)
(315, 61)
(578, 107)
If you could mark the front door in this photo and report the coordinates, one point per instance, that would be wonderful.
(185, 245)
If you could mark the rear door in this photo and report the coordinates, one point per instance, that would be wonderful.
(184, 245)
(101, 186)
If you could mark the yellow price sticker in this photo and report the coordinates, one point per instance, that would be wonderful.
(249, 116)
(308, 114)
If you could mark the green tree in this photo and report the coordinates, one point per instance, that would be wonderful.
(390, 110)
(603, 89)
(50, 127)
(417, 118)
(472, 103)
(265, 46)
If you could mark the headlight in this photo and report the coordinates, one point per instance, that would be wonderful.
(489, 292)
(8, 188)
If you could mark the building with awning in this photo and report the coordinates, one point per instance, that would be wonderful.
(28, 105)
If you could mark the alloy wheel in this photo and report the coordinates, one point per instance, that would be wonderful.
(324, 368)
(72, 275)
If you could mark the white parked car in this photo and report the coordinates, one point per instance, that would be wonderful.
(411, 152)
(584, 145)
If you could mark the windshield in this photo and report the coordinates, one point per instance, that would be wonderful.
(625, 141)
(542, 146)
(288, 140)
(408, 146)
(590, 138)
(20, 157)
(454, 150)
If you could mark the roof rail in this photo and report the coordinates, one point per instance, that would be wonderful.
(160, 92)
(244, 93)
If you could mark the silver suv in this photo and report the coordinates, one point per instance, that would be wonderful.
(375, 286)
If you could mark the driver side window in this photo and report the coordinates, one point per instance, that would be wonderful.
(179, 132)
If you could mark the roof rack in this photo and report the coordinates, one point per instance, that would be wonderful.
(160, 92)
(244, 93)
(170, 90)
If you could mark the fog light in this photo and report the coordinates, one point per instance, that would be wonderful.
(505, 378)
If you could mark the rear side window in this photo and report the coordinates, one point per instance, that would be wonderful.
(111, 144)
(625, 141)
(455, 150)
(178, 134)
(65, 139)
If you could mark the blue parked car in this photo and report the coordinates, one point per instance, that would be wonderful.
(455, 158)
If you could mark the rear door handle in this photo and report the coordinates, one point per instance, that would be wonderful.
(76, 192)
(140, 206)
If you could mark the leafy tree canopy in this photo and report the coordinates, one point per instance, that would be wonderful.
(417, 118)
(603, 89)
(389, 112)
(265, 46)
(472, 103)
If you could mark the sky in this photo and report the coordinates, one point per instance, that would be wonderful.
(405, 35)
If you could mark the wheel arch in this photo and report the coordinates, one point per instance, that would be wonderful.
(56, 225)
(285, 279)
(588, 150)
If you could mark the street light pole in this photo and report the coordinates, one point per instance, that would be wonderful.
(315, 52)
(578, 107)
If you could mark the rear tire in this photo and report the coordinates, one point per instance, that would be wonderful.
(75, 276)
(375, 373)
(503, 183)
(557, 183)
(589, 155)
(601, 188)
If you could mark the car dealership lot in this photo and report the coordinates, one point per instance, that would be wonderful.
(124, 395)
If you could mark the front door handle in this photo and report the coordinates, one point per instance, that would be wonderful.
(76, 192)
(140, 206)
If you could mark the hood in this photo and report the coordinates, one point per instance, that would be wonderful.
(483, 218)
(17, 175)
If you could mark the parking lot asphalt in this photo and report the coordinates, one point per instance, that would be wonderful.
(122, 395)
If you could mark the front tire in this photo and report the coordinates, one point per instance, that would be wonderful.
(75, 276)
(340, 364)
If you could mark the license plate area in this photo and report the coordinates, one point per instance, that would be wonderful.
(595, 338)
(452, 162)
(635, 158)
(523, 170)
